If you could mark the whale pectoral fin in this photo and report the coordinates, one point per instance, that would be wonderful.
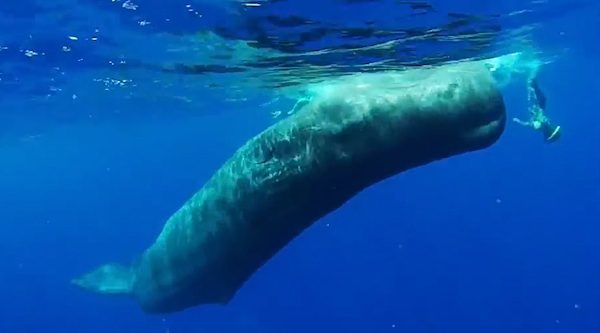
(112, 279)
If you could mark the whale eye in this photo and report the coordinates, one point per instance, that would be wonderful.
(264, 154)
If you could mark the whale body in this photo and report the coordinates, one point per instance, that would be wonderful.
(354, 132)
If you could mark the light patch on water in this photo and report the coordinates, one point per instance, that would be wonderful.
(30, 53)
(110, 83)
(252, 4)
(129, 5)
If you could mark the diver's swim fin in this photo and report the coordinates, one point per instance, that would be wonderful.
(551, 133)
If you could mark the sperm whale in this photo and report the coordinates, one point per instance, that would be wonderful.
(354, 132)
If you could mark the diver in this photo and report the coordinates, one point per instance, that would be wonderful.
(538, 120)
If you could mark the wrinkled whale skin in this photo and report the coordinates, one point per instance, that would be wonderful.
(356, 132)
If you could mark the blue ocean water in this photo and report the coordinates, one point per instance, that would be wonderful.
(113, 113)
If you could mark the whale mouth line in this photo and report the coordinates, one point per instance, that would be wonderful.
(491, 127)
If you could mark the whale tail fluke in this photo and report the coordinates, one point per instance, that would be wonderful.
(110, 279)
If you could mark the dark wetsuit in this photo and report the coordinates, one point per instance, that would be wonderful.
(550, 132)
(539, 95)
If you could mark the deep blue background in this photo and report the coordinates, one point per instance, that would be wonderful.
(502, 240)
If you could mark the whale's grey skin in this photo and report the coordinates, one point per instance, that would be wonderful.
(354, 133)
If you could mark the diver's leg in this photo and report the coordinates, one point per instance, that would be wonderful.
(538, 94)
